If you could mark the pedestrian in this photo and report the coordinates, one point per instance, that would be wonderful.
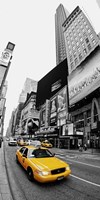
(80, 147)
(85, 147)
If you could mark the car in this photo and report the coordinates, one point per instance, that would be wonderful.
(12, 142)
(7, 139)
(42, 165)
(46, 144)
(35, 143)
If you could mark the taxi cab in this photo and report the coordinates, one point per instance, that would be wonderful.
(42, 165)
(46, 143)
(22, 142)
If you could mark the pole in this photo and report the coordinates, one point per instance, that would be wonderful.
(92, 144)
(92, 139)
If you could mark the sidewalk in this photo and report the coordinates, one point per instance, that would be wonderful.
(92, 152)
(5, 193)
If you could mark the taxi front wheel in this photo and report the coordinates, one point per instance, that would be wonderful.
(17, 161)
(30, 174)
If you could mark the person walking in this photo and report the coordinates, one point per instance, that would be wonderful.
(85, 147)
(80, 147)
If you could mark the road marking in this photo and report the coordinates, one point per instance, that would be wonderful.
(85, 180)
(84, 163)
(80, 162)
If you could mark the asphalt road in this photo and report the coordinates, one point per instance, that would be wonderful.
(82, 184)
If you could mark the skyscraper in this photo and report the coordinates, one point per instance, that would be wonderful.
(29, 86)
(80, 38)
(60, 17)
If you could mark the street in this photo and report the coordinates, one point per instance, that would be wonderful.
(83, 183)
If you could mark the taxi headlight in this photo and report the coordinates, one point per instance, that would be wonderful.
(67, 168)
(44, 173)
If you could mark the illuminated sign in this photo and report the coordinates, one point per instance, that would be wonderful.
(85, 78)
(10, 46)
(56, 85)
(7, 54)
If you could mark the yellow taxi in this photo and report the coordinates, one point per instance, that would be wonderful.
(46, 143)
(22, 142)
(42, 165)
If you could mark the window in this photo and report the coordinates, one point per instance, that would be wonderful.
(83, 45)
(73, 47)
(89, 30)
(41, 153)
(81, 39)
(79, 49)
(70, 58)
(85, 51)
(89, 47)
(77, 43)
(91, 35)
(80, 56)
(22, 150)
(87, 40)
(76, 61)
(74, 54)
(72, 65)
(94, 42)
(84, 22)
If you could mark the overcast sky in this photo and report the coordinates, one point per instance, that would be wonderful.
(30, 25)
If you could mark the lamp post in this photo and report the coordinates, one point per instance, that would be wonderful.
(91, 135)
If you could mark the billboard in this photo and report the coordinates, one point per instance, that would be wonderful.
(53, 111)
(62, 106)
(2, 105)
(5, 62)
(85, 78)
(7, 54)
(52, 82)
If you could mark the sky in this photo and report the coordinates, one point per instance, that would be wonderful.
(30, 25)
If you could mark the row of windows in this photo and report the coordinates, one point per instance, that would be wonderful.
(81, 121)
(70, 19)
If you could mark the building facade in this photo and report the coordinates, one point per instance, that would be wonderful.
(80, 38)
(60, 16)
(29, 120)
(81, 124)
(29, 86)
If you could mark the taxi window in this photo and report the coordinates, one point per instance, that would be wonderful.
(42, 153)
(22, 150)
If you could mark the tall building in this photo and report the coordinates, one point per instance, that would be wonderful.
(29, 86)
(60, 17)
(80, 38)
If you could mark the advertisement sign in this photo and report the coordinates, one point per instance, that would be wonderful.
(2, 73)
(53, 111)
(62, 107)
(70, 129)
(52, 82)
(85, 78)
(42, 117)
(4, 90)
(47, 113)
(2, 105)
(7, 54)
(62, 100)
(5, 58)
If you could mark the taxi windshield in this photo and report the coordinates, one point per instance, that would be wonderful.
(40, 153)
